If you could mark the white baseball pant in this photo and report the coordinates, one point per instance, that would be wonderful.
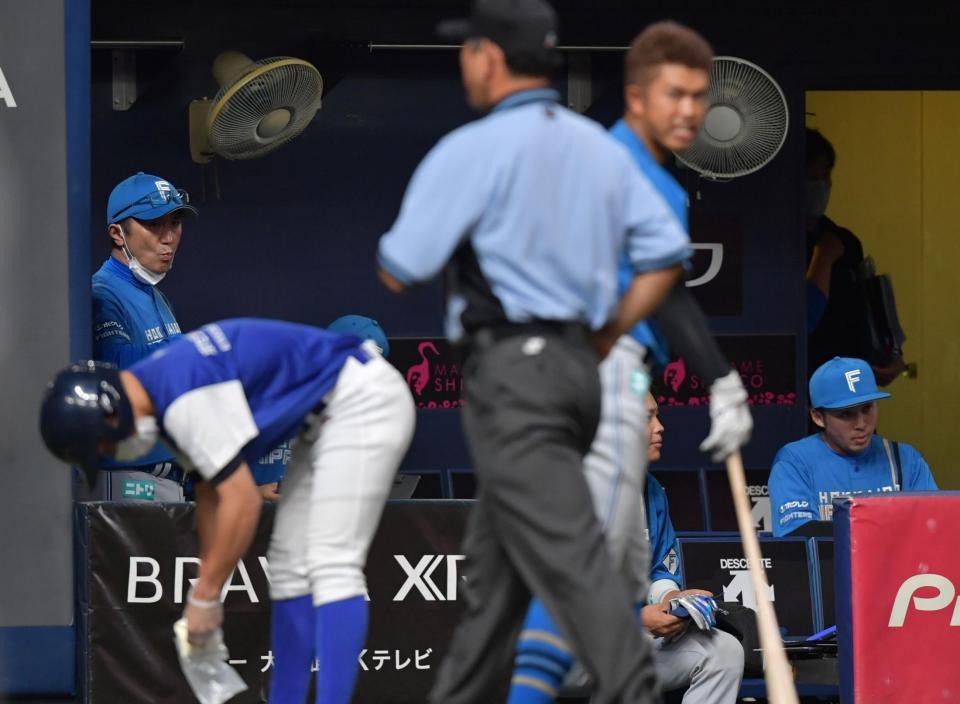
(337, 482)
(616, 466)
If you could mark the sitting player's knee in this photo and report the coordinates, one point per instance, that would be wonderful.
(728, 652)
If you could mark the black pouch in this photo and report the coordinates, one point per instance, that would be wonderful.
(741, 622)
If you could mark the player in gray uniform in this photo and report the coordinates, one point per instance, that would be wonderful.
(667, 78)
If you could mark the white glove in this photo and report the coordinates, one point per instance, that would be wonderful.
(700, 609)
(731, 422)
(205, 668)
(203, 619)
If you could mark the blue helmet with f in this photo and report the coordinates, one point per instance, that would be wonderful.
(85, 405)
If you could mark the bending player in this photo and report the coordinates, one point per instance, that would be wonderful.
(667, 81)
(222, 396)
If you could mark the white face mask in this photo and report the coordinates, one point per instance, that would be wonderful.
(139, 444)
(818, 196)
(141, 272)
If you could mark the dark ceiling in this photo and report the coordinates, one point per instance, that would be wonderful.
(828, 44)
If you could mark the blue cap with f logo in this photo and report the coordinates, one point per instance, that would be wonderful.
(146, 197)
(843, 382)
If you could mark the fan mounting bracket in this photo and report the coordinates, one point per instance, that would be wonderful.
(124, 63)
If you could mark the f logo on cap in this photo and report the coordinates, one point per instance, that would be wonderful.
(853, 376)
(165, 189)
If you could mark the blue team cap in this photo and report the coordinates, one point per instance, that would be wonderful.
(146, 197)
(364, 328)
(843, 382)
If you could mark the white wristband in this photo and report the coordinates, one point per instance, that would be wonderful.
(660, 589)
(202, 603)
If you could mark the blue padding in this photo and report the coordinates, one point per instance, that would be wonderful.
(36, 660)
(842, 570)
(704, 498)
(40, 659)
(813, 564)
(81, 590)
(76, 28)
(757, 688)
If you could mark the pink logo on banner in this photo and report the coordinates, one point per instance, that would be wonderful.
(432, 370)
(418, 375)
(766, 364)
(675, 373)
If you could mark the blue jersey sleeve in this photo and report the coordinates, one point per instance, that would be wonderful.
(656, 239)
(664, 551)
(112, 339)
(444, 201)
(793, 498)
(916, 474)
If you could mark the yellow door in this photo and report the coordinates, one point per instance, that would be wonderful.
(896, 185)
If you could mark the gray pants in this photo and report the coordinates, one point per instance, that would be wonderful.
(531, 410)
(708, 663)
(130, 485)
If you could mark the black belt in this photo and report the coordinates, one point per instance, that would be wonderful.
(486, 336)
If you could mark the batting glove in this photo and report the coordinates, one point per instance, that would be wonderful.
(700, 609)
(731, 423)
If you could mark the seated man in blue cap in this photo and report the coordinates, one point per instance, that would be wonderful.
(846, 457)
(132, 318)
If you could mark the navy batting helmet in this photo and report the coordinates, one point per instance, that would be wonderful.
(85, 403)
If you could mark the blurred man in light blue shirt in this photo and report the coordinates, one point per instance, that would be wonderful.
(528, 211)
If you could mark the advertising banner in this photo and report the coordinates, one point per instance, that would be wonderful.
(898, 597)
(767, 365)
(716, 270)
(137, 562)
(722, 514)
(719, 565)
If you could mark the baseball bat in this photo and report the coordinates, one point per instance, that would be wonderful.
(776, 671)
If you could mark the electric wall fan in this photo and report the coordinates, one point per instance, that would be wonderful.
(260, 106)
(745, 125)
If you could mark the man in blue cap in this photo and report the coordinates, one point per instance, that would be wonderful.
(132, 318)
(846, 457)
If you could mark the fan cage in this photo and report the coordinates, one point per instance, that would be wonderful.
(761, 107)
(270, 84)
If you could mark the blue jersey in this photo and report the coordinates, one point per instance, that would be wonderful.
(131, 320)
(646, 332)
(239, 388)
(807, 475)
(271, 467)
(533, 204)
(664, 551)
